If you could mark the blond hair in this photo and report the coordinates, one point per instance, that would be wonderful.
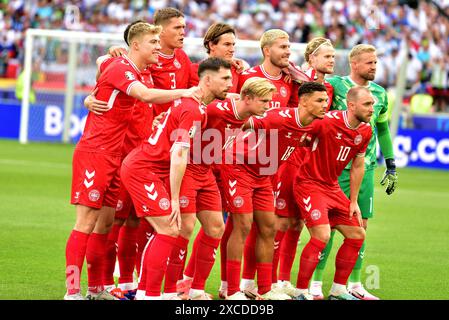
(142, 28)
(270, 36)
(314, 45)
(359, 49)
(257, 87)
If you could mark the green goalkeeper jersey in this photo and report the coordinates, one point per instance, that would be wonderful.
(341, 87)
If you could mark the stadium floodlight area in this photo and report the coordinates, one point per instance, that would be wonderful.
(62, 66)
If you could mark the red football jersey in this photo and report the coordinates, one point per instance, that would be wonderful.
(105, 133)
(330, 90)
(179, 126)
(223, 125)
(334, 145)
(275, 137)
(194, 79)
(140, 127)
(171, 72)
(287, 93)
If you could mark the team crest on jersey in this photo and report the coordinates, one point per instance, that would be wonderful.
(119, 205)
(283, 92)
(192, 131)
(183, 202)
(129, 75)
(280, 204)
(316, 214)
(164, 204)
(94, 195)
(238, 202)
(358, 139)
(177, 64)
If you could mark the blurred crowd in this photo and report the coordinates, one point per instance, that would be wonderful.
(413, 30)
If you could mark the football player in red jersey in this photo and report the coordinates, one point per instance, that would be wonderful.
(219, 41)
(320, 59)
(122, 237)
(249, 190)
(97, 157)
(172, 71)
(341, 137)
(153, 172)
(199, 190)
(275, 47)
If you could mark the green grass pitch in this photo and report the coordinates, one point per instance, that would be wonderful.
(407, 241)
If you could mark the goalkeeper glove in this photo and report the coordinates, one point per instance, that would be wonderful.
(390, 177)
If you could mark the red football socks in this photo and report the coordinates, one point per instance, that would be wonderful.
(126, 254)
(110, 255)
(309, 259)
(205, 259)
(156, 258)
(75, 253)
(95, 251)
(175, 265)
(287, 254)
(233, 275)
(249, 254)
(346, 258)
(277, 244)
(190, 269)
(264, 277)
(224, 246)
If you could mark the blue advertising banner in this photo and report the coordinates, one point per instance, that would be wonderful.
(46, 123)
(422, 148)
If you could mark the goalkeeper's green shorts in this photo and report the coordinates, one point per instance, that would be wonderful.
(366, 193)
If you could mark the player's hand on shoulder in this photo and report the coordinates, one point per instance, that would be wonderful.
(240, 65)
(94, 105)
(296, 74)
(116, 51)
(193, 92)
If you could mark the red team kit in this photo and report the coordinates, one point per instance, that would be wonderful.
(277, 165)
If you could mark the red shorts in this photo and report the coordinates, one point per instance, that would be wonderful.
(320, 205)
(92, 176)
(124, 204)
(245, 192)
(285, 200)
(216, 169)
(199, 192)
(150, 193)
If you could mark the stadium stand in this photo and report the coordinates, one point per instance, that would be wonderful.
(423, 26)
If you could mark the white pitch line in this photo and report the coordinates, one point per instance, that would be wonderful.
(35, 163)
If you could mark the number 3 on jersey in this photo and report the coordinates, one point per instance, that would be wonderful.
(343, 154)
(173, 80)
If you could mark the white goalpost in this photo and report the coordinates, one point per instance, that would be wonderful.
(62, 66)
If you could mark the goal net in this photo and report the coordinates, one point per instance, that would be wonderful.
(60, 71)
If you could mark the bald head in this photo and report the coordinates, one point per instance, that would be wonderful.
(360, 103)
(355, 92)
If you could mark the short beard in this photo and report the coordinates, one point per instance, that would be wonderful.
(368, 77)
(277, 64)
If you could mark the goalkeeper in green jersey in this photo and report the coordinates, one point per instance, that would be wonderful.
(362, 61)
